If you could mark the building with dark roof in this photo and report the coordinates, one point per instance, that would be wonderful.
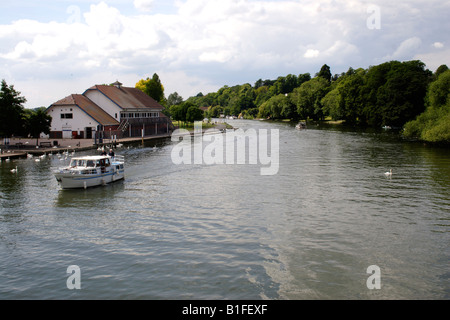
(103, 111)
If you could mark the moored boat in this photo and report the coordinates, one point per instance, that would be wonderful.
(91, 171)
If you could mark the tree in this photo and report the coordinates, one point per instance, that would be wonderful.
(193, 114)
(152, 87)
(37, 122)
(308, 98)
(278, 107)
(401, 98)
(331, 105)
(351, 103)
(440, 70)
(439, 91)
(174, 99)
(325, 73)
(302, 78)
(181, 112)
(11, 110)
(433, 125)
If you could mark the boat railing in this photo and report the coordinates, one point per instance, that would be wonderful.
(118, 158)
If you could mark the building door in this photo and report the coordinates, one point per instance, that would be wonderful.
(67, 132)
(88, 131)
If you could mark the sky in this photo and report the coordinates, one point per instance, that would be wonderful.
(51, 49)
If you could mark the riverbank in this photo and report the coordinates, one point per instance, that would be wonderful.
(20, 147)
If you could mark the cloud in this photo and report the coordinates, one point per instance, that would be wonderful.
(407, 49)
(435, 59)
(311, 53)
(218, 41)
(144, 5)
(438, 45)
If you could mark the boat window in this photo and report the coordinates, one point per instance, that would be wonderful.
(73, 163)
(90, 163)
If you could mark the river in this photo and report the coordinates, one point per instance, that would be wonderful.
(225, 231)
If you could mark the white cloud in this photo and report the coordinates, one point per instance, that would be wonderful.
(435, 59)
(311, 53)
(218, 41)
(144, 5)
(438, 45)
(407, 49)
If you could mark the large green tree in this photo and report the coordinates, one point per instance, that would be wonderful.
(401, 98)
(153, 87)
(36, 122)
(325, 72)
(174, 99)
(193, 114)
(11, 111)
(351, 100)
(308, 98)
(434, 124)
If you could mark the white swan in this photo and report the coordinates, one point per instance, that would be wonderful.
(388, 174)
(14, 170)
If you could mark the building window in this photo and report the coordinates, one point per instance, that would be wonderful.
(66, 115)
(116, 115)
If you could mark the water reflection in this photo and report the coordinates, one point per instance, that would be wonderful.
(93, 198)
(226, 232)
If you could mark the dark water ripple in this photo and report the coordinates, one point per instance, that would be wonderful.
(226, 232)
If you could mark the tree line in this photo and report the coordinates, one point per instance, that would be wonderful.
(433, 125)
(15, 120)
(396, 94)
(391, 94)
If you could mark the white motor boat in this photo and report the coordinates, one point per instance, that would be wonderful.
(91, 171)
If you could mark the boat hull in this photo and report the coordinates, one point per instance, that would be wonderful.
(86, 177)
(70, 181)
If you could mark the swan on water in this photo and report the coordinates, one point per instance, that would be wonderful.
(388, 174)
(14, 170)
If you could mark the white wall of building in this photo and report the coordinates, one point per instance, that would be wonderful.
(79, 121)
(105, 103)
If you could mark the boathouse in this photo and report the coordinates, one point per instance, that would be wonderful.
(104, 111)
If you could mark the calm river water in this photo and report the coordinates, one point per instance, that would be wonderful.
(227, 232)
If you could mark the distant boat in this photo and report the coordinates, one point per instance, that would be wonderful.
(301, 126)
(91, 171)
